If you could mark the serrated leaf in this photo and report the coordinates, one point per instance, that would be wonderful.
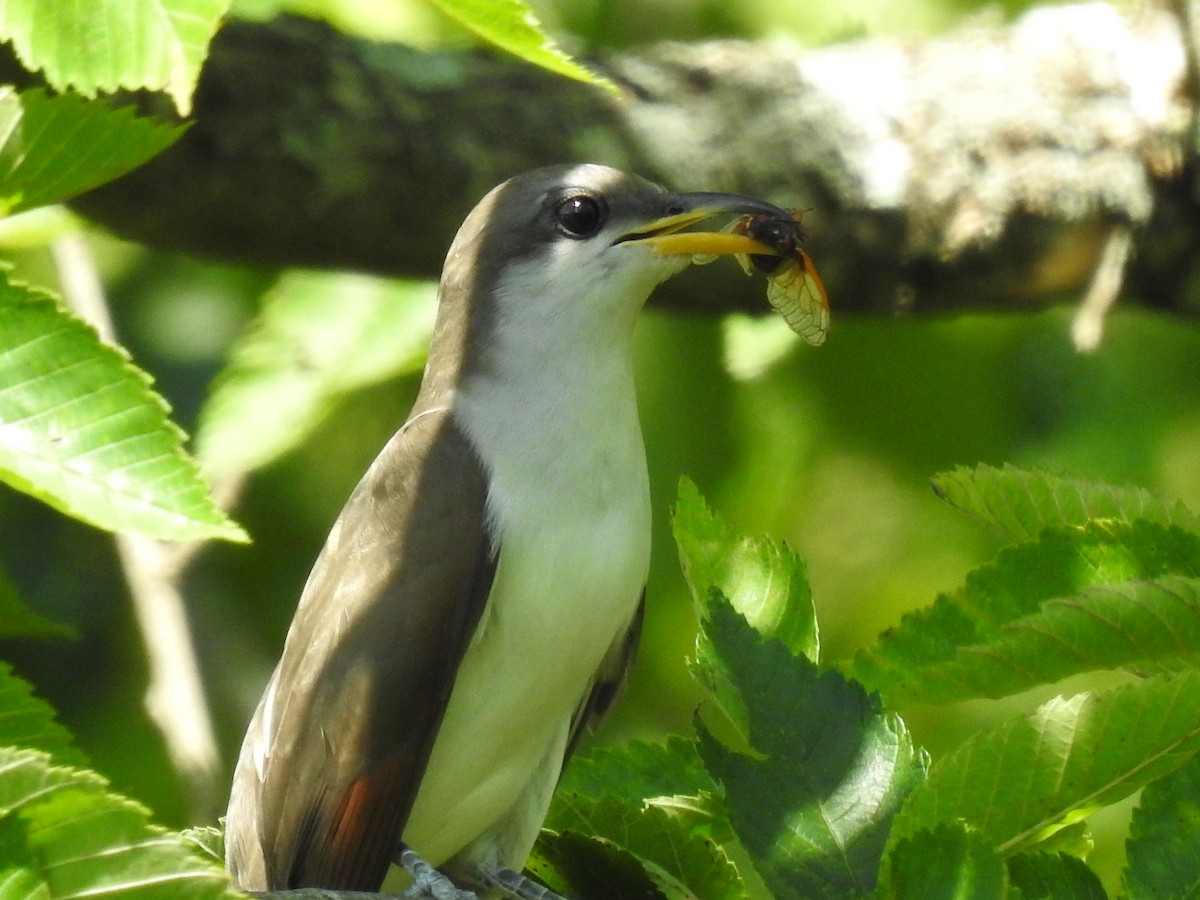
(107, 45)
(319, 336)
(1020, 782)
(637, 772)
(657, 802)
(54, 147)
(813, 800)
(19, 621)
(1163, 850)
(1021, 503)
(81, 429)
(1140, 625)
(948, 862)
(944, 653)
(511, 25)
(62, 827)
(766, 581)
(676, 856)
(207, 841)
(30, 722)
(588, 868)
(1054, 876)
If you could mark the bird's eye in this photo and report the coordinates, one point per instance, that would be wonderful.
(580, 216)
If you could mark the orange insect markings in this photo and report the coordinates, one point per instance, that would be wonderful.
(794, 288)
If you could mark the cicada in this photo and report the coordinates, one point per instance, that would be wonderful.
(794, 288)
(769, 242)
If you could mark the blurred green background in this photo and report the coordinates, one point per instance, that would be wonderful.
(830, 449)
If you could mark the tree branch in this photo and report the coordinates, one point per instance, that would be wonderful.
(988, 168)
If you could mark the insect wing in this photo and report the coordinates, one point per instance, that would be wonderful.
(797, 294)
(737, 226)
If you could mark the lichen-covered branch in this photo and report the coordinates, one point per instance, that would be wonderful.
(986, 168)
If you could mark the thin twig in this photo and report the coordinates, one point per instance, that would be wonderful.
(175, 698)
(1087, 328)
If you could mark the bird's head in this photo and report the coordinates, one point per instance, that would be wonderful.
(575, 251)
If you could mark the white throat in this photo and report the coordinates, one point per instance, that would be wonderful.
(552, 411)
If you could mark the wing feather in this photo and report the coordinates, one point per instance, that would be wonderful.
(336, 753)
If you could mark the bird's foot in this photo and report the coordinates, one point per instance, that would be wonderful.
(428, 882)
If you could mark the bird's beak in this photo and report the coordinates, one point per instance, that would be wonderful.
(667, 236)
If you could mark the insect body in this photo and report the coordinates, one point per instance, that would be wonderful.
(794, 288)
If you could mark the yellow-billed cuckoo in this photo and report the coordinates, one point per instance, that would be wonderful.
(478, 600)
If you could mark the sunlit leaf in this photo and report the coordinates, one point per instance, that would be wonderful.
(512, 26)
(28, 721)
(764, 580)
(1026, 619)
(65, 835)
(1020, 782)
(81, 429)
(106, 45)
(319, 336)
(1021, 503)
(54, 147)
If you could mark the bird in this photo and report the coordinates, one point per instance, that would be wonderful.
(478, 601)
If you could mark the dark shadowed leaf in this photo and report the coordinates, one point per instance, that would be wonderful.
(813, 797)
(948, 862)
(1163, 851)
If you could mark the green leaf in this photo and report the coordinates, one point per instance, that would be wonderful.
(512, 26)
(1054, 876)
(1023, 620)
(107, 45)
(19, 621)
(948, 862)
(1163, 851)
(81, 429)
(207, 841)
(1021, 782)
(657, 803)
(320, 335)
(54, 147)
(587, 868)
(1137, 624)
(813, 799)
(638, 771)
(766, 581)
(1021, 503)
(28, 721)
(64, 835)
(678, 858)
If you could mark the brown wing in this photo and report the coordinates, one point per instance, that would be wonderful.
(347, 725)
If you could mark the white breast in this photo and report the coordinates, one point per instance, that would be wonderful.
(554, 419)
